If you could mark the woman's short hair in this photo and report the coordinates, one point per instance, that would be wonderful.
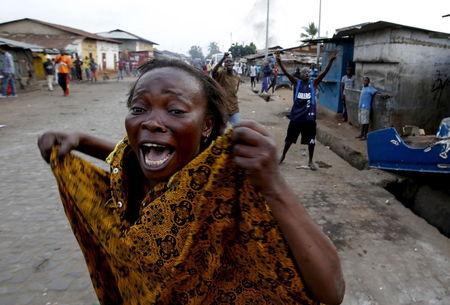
(215, 96)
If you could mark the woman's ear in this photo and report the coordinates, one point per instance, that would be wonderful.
(208, 125)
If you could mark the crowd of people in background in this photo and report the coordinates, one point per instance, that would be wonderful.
(58, 70)
(304, 82)
(268, 73)
(65, 68)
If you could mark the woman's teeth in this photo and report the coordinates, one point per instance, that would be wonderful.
(154, 163)
(155, 154)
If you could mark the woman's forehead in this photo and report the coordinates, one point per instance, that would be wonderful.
(172, 77)
(171, 81)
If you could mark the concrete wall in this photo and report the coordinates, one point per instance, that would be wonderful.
(89, 46)
(29, 27)
(143, 46)
(135, 46)
(34, 28)
(128, 45)
(111, 51)
(412, 67)
(381, 114)
(76, 46)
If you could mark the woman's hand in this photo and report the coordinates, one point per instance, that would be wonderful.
(255, 151)
(66, 141)
(315, 255)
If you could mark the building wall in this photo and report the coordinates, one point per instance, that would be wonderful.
(34, 28)
(76, 46)
(413, 68)
(135, 46)
(143, 46)
(29, 27)
(108, 51)
(89, 46)
(128, 45)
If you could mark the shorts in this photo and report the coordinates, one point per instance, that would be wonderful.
(363, 116)
(307, 129)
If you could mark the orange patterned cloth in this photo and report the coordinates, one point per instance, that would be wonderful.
(205, 237)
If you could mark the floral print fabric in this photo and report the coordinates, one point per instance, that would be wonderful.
(205, 237)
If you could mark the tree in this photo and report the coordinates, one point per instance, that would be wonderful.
(310, 31)
(196, 53)
(213, 48)
(250, 49)
(239, 50)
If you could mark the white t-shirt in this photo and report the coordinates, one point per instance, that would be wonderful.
(349, 82)
(252, 71)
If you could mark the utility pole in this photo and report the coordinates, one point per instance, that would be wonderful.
(318, 35)
(267, 31)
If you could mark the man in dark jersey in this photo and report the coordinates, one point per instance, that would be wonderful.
(303, 113)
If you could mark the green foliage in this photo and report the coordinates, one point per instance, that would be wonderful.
(240, 50)
(213, 48)
(196, 53)
(309, 31)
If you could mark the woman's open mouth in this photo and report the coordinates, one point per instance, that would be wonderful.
(156, 155)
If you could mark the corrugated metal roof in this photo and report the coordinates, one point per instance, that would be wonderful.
(286, 57)
(326, 40)
(117, 35)
(65, 29)
(18, 44)
(120, 34)
(380, 25)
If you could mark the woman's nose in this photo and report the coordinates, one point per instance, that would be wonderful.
(154, 123)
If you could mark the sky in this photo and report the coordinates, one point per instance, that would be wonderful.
(176, 25)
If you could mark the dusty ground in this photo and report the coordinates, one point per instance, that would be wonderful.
(389, 255)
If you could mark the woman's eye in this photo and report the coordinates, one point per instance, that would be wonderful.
(176, 111)
(136, 110)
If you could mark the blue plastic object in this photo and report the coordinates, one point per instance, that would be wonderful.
(444, 129)
(387, 150)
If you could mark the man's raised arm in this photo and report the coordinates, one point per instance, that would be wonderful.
(292, 79)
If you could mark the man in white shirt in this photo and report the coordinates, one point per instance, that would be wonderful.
(347, 82)
(253, 75)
